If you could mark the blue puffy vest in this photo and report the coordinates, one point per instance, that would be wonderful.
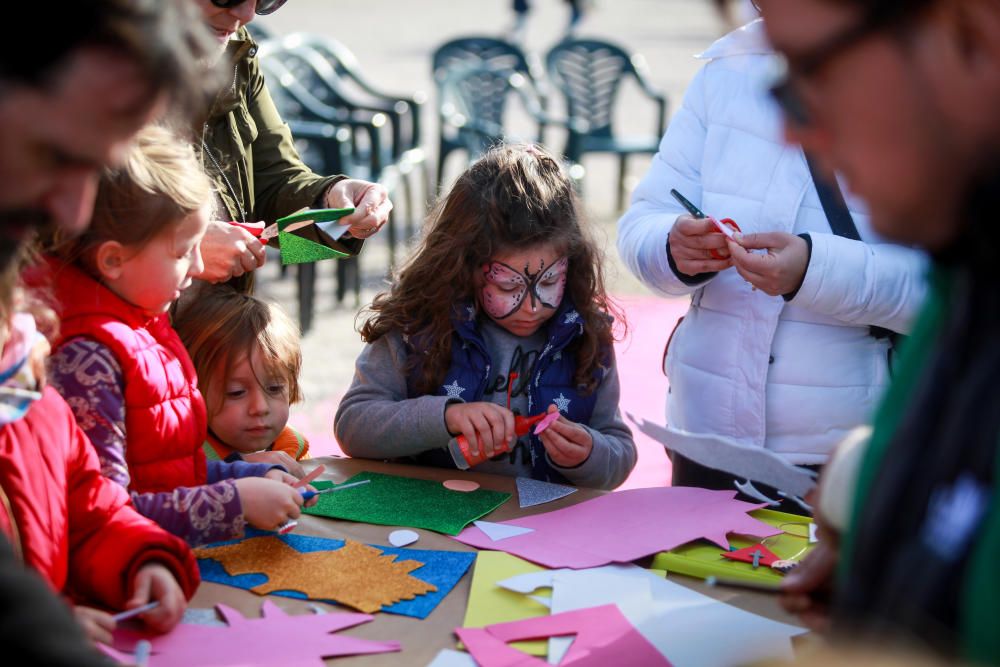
(552, 382)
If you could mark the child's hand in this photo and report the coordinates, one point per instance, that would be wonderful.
(268, 503)
(280, 458)
(281, 476)
(97, 624)
(152, 582)
(491, 423)
(567, 443)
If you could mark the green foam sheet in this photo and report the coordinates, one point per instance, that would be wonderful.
(702, 559)
(390, 500)
(297, 250)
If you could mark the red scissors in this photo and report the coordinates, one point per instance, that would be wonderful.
(725, 226)
(256, 230)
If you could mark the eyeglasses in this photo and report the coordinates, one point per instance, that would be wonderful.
(788, 95)
(263, 7)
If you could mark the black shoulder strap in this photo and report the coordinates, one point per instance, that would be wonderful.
(834, 206)
(839, 217)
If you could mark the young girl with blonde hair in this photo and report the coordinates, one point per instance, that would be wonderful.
(122, 367)
(500, 310)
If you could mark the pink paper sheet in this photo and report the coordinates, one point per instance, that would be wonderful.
(274, 639)
(603, 637)
(623, 526)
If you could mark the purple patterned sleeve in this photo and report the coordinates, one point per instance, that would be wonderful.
(89, 377)
(198, 514)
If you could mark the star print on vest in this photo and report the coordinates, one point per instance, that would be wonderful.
(454, 390)
(506, 287)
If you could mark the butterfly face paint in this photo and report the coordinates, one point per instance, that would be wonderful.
(505, 288)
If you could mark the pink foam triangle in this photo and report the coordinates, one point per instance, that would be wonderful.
(603, 636)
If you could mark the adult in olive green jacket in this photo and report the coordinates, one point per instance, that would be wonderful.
(901, 98)
(248, 152)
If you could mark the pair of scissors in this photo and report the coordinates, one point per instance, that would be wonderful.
(290, 223)
(725, 226)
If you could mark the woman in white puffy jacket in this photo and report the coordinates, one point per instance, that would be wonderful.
(782, 368)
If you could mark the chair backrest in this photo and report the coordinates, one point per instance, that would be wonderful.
(474, 99)
(491, 52)
(479, 50)
(588, 73)
(323, 145)
(309, 69)
(341, 59)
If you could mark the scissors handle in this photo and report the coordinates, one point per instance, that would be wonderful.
(251, 228)
(725, 226)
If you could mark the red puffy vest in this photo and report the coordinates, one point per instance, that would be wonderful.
(72, 525)
(165, 415)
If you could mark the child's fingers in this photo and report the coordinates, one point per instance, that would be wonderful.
(297, 501)
(142, 584)
(98, 625)
(99, 629)
(170, 610)
(562, 428)
(509, 428)
(294, 467)
(571, 431)
(99, 634)
(494, 444)
(559, 448)
(481, 432)
(288, 463)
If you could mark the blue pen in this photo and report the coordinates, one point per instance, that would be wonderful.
(309, 495)
(121, 616)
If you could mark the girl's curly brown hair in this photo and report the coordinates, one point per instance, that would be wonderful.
(513, 197)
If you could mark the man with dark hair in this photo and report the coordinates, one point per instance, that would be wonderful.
(107, 68)
(901, 98)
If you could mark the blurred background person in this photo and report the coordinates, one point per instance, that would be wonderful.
(917, 556)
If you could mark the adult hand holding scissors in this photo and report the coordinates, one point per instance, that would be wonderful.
(698, 242)
(229, 250)
(692, 242)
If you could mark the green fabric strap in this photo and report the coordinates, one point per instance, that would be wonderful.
(911, 363)
(977, 629)
(981, 586)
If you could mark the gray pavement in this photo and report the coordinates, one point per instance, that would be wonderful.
(393, 41)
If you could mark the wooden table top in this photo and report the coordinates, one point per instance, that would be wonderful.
(423, 638)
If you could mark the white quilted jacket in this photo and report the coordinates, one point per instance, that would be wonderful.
(791, 377)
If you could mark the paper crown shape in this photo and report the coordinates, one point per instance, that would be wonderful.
(312, 235)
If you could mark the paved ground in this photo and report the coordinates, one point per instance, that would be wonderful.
(393, 41)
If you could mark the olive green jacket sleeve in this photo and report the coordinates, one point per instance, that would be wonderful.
(248, 149)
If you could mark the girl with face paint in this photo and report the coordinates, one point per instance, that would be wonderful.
(500, 312)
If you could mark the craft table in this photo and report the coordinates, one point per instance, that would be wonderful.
(422, 639)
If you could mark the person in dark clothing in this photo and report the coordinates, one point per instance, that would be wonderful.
(109, 67)
(911, 89)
